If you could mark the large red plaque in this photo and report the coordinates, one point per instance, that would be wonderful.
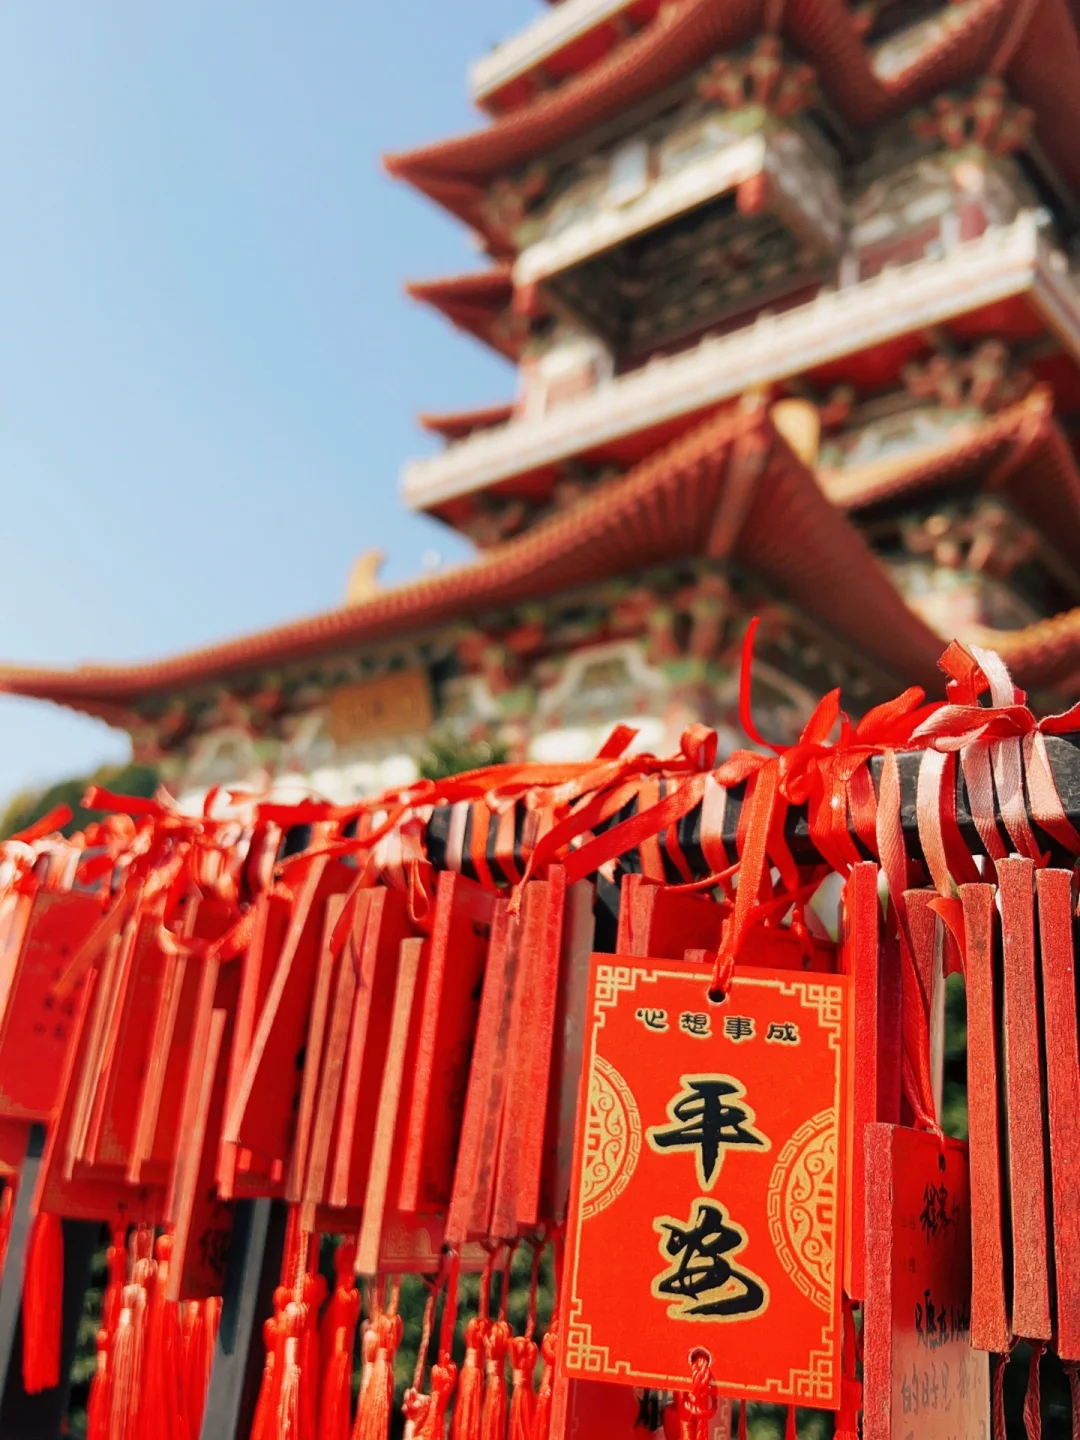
(922, 1379)
(708, 1162)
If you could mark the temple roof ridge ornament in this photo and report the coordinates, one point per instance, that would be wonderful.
(986, 117)
(763, 77)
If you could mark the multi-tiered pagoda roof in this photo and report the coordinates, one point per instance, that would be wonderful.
(790, 293)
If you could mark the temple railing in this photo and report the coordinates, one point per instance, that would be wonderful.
(1005, 261)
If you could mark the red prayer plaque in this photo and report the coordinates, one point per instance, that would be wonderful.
(389, 1139)
(328, 1099)
(386, 926)
(14, 1137)
(1024, 1104)
(517, 1191)
(325, 975)
(989, 1316)
(204, 1222)
(113, 1138)
(590, 1410)
(36, 1024)
(262, 1116)
(472, 1196)
(76, 1198)
(1054, 888)
(259, 961)
(162, 1100)
(707, 1202)
(578, 933)
(413, 1244)
(922, 1380)
(664, 923)
(927, 933)
(461, 929)
(876, 1020)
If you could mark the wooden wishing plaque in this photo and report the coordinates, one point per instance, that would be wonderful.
(706, 1205)
(922, 1380)
(589, 1410)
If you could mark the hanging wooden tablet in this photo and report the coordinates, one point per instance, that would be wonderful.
(117, 1061)
(259, 962)
(662, 922)
(318, 1020)
(36, 1024)
(73, 1197)
(460, 934)
(204, 1222)
(577, 945)
(532, 1021)
(162, 1099)
(392, 1109)
(927, 944)
(1025, 1105)
(263, 1112)
(990, 1328)
(328, 1099)
(864, 960)
(921, 1376)
(1058, 968)
(469, 1211)
(386, 926)
(203, 1219)
(14, 1135)
(709, 1165)
(594, 1411)
(124, 1068)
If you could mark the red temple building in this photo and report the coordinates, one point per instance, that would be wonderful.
(791, 296)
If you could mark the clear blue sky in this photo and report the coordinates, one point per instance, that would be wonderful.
(208, 371)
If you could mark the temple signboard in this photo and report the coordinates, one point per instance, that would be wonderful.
(708, 1162)
(395, 704)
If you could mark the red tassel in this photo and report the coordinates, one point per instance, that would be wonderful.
(311, 1354)
(338, 1338)
(369, 1345)
(125, 1366)
(162, 1410)
(7, 1210)
(264, 1405)
(998, 1398)
(416, 1408)
(1033, 1398)
(742, 1419)
(1073, 1372)
(42, 1305)
(376, 1406)
(542, 1412)
(523, 1357)
(290, 1400)
(200, 1334)
(790, 1432)
(493, 1422)
(469, 1407)
(443, 1381)
(99, 1401)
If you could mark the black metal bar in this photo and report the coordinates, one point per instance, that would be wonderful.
(1064, 756)
(42, 1416)
(254, 1271)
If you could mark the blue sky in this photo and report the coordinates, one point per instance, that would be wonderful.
(208, 371)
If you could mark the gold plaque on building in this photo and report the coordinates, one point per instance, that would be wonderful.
(397, 704)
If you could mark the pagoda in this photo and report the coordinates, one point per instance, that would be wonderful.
(791, 296)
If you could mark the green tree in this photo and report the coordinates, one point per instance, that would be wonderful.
(30, 806)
